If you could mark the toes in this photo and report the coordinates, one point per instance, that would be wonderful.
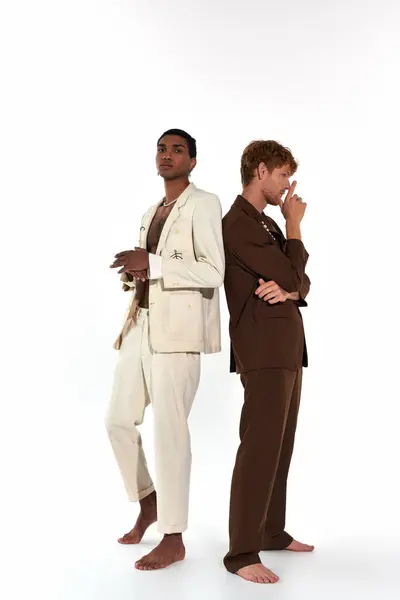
(127, 539)
(148, 566)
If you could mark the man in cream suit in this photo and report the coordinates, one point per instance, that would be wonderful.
(174, 276)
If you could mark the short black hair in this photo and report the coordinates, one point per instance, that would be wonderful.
(183, 134)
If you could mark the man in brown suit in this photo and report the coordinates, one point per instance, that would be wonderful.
(265, 282)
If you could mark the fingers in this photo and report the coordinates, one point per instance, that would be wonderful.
(291, 191)
(298, 198)
(138, 275)
(270, 285)
(121, 258)
(119, 262)
(140, 249)
(270, 292)
(272, 296)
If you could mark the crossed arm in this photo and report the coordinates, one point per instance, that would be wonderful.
(205, 270)
(280, 274)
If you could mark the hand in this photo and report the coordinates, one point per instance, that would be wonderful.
(140, 275)
(271, 292)
(131, 261)
(293, 208)
(295, 296)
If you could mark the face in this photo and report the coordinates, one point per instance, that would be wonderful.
(274, 184)
(173, 160)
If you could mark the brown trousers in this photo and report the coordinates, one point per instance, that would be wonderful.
(258, 493)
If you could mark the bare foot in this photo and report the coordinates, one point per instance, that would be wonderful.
(168, 551)
(299, 547)
(258, 574)
(147, 516)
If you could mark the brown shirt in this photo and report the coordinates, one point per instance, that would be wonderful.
(263, 335)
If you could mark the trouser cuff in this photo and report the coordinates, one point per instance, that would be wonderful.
(172, 528)
(235, 562)
(277, 542)
(141, 495)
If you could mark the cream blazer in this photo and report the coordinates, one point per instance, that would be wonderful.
(184, 308)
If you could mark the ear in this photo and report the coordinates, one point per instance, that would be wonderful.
(192, 164)
(260, 171)
(264, 171)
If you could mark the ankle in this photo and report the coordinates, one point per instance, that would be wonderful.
(148, 505)
(173, 536)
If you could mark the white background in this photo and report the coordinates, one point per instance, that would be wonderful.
(87, 88)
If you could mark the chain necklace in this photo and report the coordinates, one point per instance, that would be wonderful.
(169, 203)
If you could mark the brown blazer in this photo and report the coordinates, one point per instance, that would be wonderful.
(263, 335)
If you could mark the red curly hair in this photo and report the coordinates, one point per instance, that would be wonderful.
(271, 153)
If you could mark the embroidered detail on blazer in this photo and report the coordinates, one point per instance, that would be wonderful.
(177, 255)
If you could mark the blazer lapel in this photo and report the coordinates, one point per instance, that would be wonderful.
(173, 215)
(144, 229)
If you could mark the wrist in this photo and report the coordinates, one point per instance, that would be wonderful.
(293, 229)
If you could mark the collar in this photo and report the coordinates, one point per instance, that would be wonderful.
(261, 218)
(249, 209)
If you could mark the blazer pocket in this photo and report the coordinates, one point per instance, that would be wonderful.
(179, 238)
(185, 315)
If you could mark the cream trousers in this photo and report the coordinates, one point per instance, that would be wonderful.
(169, 382)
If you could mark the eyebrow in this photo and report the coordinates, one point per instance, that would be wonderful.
(173, 145)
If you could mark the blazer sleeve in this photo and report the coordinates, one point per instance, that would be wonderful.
(207, 269)
(304, 290)
(257, 252)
